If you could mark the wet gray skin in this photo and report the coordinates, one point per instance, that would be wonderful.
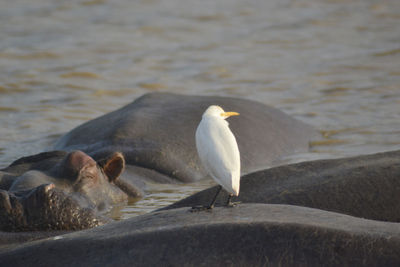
(366, 186)
(60, 191)
(251, 234)
(156, 135)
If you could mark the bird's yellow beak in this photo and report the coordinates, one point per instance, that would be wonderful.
(229, 113)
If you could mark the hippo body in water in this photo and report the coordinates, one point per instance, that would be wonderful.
(253, 233)
(60, 191)
(156, 135)
(366, 186)
(246, 235)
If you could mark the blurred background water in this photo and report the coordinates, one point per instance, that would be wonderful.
(334, 64)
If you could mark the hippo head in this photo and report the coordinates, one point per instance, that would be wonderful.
(96, 180)
(57, 190)
(79, 175)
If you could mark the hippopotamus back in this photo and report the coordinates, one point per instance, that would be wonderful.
(157, 131)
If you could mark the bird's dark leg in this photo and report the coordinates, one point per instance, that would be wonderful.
(209, 207)
(215, 198)
(229, 203)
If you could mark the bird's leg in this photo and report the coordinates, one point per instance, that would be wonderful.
(215, 198)
(229, 203)
(209, 207)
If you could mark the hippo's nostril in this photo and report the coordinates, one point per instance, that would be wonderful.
(101, 206)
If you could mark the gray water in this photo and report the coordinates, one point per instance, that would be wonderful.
(333, 64)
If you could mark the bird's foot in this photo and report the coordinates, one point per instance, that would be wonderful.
(233, 204)
(201, 208)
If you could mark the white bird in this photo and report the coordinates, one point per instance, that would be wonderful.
(218, 151)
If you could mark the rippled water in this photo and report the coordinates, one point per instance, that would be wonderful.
(334, 64)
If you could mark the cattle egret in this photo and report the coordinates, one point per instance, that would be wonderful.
(219, 152)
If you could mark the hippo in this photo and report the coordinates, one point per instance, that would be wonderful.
(156, 134)
(57, 190)
(251, 234)
(154, 137)
(366, 186)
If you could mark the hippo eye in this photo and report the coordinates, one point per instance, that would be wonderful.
(85, 177)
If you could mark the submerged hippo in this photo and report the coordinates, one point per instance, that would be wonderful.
(247, 235)
(60, 191)
(156, 134)
(366, 186)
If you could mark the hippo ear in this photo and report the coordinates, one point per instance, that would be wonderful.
(113, 166)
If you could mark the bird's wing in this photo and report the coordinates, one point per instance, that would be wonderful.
(219, 152)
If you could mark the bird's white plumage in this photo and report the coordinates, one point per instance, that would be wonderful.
(218, 150)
